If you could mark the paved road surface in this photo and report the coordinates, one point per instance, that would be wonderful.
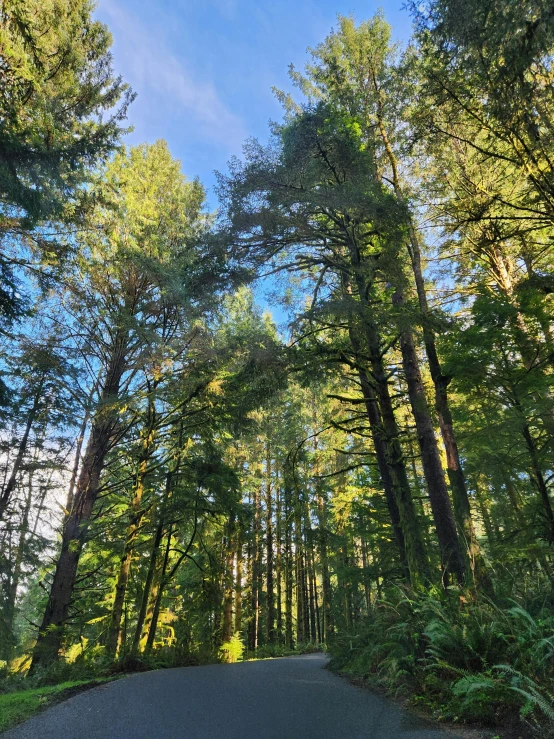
(290, 698)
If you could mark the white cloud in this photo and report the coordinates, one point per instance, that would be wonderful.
(164, 83)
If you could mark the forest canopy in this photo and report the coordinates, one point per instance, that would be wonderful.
(184, 481)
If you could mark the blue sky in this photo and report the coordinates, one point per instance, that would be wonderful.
(203, 72)
(203, 69)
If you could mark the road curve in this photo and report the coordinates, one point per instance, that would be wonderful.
(289, 698)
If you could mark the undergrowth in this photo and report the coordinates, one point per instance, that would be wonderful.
(462, 659)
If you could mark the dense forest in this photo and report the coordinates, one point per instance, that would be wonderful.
(183, 481)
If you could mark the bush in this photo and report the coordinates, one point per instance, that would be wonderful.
(462, 659)
(232, 650)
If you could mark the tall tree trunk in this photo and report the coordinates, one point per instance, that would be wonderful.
(77, 460)
(145, 616)
(228, 582)
(491, 531)
(289, 634)
(386, 434)
(322, 537)
(299, 557)
(115, 633)
(311, 586)
(514, 500)
(146, 592)
(269, 550)
(238, 586)
(449, 544)
(253, 627)
(50, 634)
(278, 557)
(157, 594)
(462, 509)
(7, 644)
(367, 578)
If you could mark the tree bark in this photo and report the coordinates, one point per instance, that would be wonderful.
(228, 580)
(451, 553)
(50, 634)
(383, 423)
(462, 509)
(255, 576)
(269, 551)
(115, 633)
(22, 448)
(289, 634)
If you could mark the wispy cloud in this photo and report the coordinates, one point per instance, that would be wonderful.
(168, 84)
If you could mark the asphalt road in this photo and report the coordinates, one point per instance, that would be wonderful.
(290, 698)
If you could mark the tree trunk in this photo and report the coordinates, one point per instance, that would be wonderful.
(367, 579)
(22, 448)
(462, 509)
(300, 602)
(538, 478)
(451, 553)
(311, 586)
(157, 594)
(146, 592)
(115, 633)
(289, 634)
(50, 634)
(238, 587)
(322, 537)
(8, 643)
(269, 551)
(228, 580)
(386, 436)
(278, 559)
(255, 576)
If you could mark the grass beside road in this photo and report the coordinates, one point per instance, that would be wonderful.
(20, 705)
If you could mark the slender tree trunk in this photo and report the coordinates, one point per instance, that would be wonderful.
(289, 634)
(238, 586)
(255, 576)
(492, 534)
(269, 551)
(77, 461)
(367, 579)
(21, 450)
(386, 435)
(278, 558)
(300, 602)
(7, 644)
(157, 595)
(311, 587)
(514, 500)
(411, 566)
(317, 611)
(305, 594)
(145, 615)
(146, 592)
(115, 633)
(322, 540)
(538, 478)
(228, 582)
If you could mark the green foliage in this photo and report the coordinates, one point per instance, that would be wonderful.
(233, 650)
(18, 706)
(447, 652)
(57, 84)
